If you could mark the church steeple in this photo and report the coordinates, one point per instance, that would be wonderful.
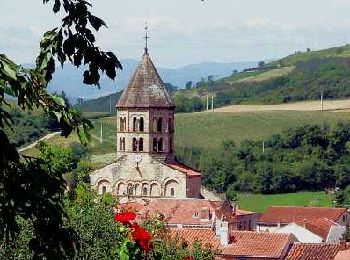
(146, 113)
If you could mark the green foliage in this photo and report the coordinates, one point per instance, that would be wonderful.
(310, 157)
(27, 190)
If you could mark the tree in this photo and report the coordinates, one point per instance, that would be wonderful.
(234, 72)
(261, 64)
(189, 85)
(27, 190)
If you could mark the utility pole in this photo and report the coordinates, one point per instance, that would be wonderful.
(263, 147)
(212, 104)
(322, 100)
(101, 135)
(207, 103)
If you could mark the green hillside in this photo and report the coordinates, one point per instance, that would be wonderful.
(297, 77)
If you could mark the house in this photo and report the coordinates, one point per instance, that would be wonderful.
(309, 251)
(279, 216)
(194, 213)
(240, 244)
(315, 230)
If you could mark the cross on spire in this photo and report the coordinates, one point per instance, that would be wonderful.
(146, 37)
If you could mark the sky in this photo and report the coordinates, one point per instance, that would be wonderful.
(189, 31)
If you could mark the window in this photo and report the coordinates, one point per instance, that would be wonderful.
(130, 190)
(122, 124)
(134, 124)
(141, 144)
(195, 215)
(159, 124)
(160, 145)
(172, 192)
(134, 144)
(170, 128)
(141, 125)
(144, 191)
(122, 144)
(155, 149)
(104, 189)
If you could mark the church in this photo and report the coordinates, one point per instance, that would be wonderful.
(145, 166)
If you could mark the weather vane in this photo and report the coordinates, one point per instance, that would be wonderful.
(146, 37)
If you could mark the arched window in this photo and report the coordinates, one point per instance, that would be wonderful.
(144, 191)
(134, 124)
(130, 189)
(160, 145)
(122, 144)
(170, 127)
(134, 144)
(121, 126)
(172, 192)
(141, 125)
(155, 145)
(141, 144)
(159, 124)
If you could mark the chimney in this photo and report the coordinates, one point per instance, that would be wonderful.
(217, 227)
(224, 234)
(204, 214)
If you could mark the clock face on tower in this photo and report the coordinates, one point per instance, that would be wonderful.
(137, 158)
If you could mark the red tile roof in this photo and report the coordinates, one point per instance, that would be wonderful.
(242, 243)
(289, 214)
(343, 255)
(318, 226)
(184, 211)
(184, 169)
(146, 89)
(313, 251)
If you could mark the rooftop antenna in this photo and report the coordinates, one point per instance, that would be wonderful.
(146, 37)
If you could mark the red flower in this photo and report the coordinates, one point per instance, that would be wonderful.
(188, 258)
(124, 217)
(142, 237)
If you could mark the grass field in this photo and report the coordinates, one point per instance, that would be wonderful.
(260, 203)
(208, 130)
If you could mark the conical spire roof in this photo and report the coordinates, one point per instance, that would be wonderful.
(146, 88)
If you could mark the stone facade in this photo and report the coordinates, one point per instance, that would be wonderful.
(145, 165)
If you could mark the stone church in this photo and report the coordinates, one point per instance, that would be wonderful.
(145, 165)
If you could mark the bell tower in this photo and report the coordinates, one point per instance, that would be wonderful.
(145, 114)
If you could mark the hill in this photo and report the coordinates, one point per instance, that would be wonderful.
(69, 78)
(297, 77)
(301, 76)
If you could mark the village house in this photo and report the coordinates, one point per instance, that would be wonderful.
(195, 213)
(315, 230)
(279, 216)
(322, 251)
(240, 244)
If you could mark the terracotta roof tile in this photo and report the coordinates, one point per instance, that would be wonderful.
(243, 243)
(184, 211)
(267, 245)
(318, 226)
(313, 251)
(184, 169)
(146, 88)
(289, 214)
(343, 255)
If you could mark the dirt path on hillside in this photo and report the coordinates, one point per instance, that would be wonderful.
(32, 145)
(328, 105)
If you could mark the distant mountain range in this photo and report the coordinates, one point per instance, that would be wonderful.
(69, 79)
